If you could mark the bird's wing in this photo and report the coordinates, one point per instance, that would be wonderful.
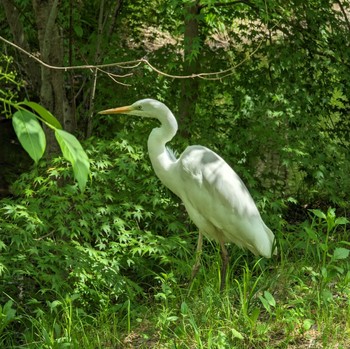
(218, 201)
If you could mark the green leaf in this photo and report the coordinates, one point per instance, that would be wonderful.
(78, 30)
(265, 303)
(44, 113)
(75, 154)
(269, 297)
(184, 308)
(327, 296)
(319, 214)
(236, 334)
(254, 315)
(340, 253)
(29, 133)
(311, 234)
(307, 324)
(341, 220)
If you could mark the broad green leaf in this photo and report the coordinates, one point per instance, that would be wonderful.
(265, 303)
(184, 308)
(8, 312)
(29, 133)
(75, 154)
(319, 214)
(54, 304)
(311, 234)
(307, 324)
(324, 247)
(236, 334)
(327, 295)
(340, 253)
(254, 315)
(339, 270)
(269, 297)
(44, 113)
(341, 220)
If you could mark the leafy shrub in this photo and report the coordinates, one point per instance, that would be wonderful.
(10, 83)
(104, 245)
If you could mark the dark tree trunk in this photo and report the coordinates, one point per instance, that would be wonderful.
(189, 88)
(31, 69)
(49, 83)
(52, 93)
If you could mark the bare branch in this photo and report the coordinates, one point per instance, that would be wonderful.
(205, 76)
(92, 103)
(124, 65)
(136, 63)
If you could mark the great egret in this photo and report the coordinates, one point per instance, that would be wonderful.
(215, 197)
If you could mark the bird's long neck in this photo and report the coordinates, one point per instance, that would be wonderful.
(161, 159)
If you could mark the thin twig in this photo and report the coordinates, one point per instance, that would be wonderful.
(206, 76)
(135, 63)
(92, 103)
(124, 65)
(112, 76)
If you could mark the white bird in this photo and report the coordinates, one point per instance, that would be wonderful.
(215, 197)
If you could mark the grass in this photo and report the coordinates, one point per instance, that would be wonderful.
(263, 306)
(298, 300)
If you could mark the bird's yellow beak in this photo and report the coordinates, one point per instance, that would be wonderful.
(119, 110)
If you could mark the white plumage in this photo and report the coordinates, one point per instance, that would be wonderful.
(215, 197)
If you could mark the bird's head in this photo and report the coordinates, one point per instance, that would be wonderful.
(145, 107)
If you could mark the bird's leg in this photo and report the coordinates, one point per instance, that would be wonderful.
(225, 261)
(198, 256)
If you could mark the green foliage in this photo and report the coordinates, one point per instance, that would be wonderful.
(75, 154)
(74, 266)
(77, 265)
(266, 305)
(29, 133)
(33, 140)
(281, 116)
(43, 113)
(10, 83)
(7, 315)
(104, 245)
(319, 242)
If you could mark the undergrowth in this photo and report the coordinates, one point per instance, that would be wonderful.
(109, 268)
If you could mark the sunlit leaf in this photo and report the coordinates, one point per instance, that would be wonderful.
(341, 220)
(43, 113)
(307, 324)
(340, 253)
(269, 297)
(319, 214)
(75, 154)
(29, 133)
(236, 334)
(265, 303)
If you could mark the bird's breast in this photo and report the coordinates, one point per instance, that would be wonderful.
(204, 225)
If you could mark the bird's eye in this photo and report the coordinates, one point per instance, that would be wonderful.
(139, 107)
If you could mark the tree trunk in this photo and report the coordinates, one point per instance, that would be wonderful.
(50, 82)
(189, 88)
(31, 69)
(52, 93)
